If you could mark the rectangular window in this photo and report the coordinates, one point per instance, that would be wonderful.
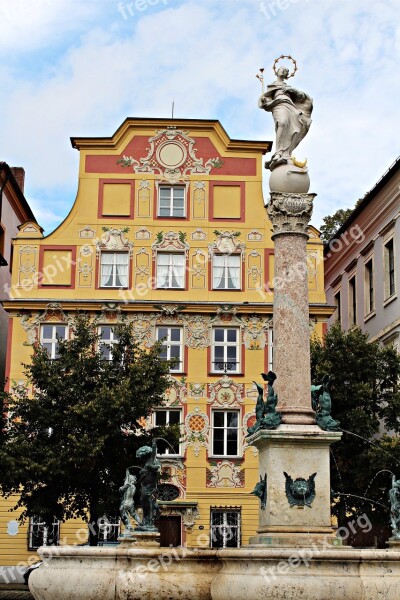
(225, 350)
(163, 417)
(225, 528)
(369, 287)
(338, 304)
(114, 269)
(171, 201)
(390, 284)
(226, 271)
(352, 301)
(40, 534)
(107, 340)
(172, 346)
(225, 428)
(109, 529)
(50, 336)
(170, 270)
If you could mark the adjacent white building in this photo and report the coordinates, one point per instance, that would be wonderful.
(14, 210)
(362, 276)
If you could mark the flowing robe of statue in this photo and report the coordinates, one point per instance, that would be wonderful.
(291, 110)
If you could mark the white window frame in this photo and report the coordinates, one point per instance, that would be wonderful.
(172, 200)
(369, 275)
(225, 430)
(109, 528)
(226, 274)
(107, 343)
(179, 368)
(167, 411)
(338, 312)
(172, 271)
(352, 285)
(53, 354)
(43, 529)
(225, 527)
(388, 295)
(113, 273)
(225, 345)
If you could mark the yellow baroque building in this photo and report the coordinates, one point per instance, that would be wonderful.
(169, 230)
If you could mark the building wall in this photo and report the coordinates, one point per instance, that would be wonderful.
(365, 239)
(116, 209)
(10, 221)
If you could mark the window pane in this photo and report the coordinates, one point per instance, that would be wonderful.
(105, 332)
(163, 353)
(174, 417)
(233, 261)
(231, 448)
(48, 348)
(219, 354)
(175, 351)
(232, 419)
(175, 335)
(218, 447)
(162, 332)
(47, 332)
(232, 335)
(219, 335)
(179, 192)
(219, 419)
(164, 212)
(161, 417)
(231, 353)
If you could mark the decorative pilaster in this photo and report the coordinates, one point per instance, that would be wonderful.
(290, 215)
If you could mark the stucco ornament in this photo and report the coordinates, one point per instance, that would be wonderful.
(53, 312)
(291, 110)
(198, 332)
(197, 427)
(114, 239)
(227, 243)
(144, 329)
(174, 473)
(224, 474)
(171, 156)
(255, 332)
(176, 393)
(225, 392)
(170, 241)
(300, 492)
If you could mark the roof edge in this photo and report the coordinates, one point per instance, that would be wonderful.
(368, 197)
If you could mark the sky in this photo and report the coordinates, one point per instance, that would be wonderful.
(80, 67)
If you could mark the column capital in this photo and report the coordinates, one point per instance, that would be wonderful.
(290, 212)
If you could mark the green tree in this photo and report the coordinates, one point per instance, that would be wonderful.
(65, 446)
(366, 401)
(332, 223)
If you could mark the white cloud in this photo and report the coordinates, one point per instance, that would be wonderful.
(204, 55)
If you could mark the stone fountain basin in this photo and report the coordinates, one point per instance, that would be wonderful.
(132, 573)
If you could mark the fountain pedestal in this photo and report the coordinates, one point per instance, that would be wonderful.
(300, 451)
(142, 539)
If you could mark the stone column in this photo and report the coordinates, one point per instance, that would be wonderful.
(290, 214)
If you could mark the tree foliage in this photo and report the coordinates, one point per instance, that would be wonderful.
(332, 223)
(66, 444)
(366, 401)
